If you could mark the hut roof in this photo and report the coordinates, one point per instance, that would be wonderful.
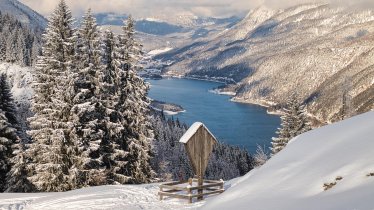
(192, 130)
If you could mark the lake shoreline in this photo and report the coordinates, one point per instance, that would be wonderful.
(244, 125)
(192, 78)
(218, 91)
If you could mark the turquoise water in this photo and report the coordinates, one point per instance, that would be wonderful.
(233, 123)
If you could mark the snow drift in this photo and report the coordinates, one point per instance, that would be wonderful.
(340, 155)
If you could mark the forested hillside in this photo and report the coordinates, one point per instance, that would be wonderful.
(320, 52)
(18, 43)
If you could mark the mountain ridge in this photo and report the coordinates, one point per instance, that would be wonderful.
(272, 53)
(23, 13)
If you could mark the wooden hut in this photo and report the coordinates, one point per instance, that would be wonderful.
(199, 143)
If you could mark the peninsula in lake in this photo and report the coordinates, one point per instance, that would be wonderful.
(168, 108)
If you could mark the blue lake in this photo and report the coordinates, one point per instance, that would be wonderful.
(233, 123)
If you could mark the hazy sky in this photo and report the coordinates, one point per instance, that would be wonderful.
(149, 8)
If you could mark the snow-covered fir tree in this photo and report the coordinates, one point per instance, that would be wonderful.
(113, 155)
(7, 103)
(8, 137)
(12, 154)
(93, 115)
(132, 104)
(17, 177)
(107, 55)
(293, 123)
(260, 157)
(54, 155)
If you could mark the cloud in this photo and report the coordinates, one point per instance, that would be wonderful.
(359, 4)
(149, 8)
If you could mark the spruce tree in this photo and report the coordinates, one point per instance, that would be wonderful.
(17, 177)
(53, 153)
(107, 59)
(7, 102)
(294, 123)
(89, 113)
(8, 137)
(132, 104)
(283, 137)
(113, 156)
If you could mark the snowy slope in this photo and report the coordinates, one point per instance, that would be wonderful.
(23, 13)
(169, 30)
(294, 178)
(20, 79)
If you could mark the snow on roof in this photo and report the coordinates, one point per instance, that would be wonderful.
(192, 130)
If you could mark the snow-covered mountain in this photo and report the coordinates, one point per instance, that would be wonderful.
(148, 25)
(23, 13)
(338, 157)
(316, 50)
(168, 31)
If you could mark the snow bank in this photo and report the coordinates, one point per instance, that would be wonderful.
(294, 178)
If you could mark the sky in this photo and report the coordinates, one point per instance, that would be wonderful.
(154, 8)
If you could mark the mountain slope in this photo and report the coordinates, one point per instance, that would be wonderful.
(23, 13)
(170, 30)
(272, 53)
(294, 178)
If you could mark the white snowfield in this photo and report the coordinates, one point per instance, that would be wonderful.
(294, 178)
(127, 197)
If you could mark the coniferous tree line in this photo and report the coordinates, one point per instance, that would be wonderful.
(170, 159)
(90, 124)
(18, 43)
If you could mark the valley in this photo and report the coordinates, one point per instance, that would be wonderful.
(315, 51)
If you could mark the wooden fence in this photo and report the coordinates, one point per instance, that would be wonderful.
(188, 190)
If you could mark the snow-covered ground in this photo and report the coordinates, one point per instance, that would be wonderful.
(294, 179)
(128, 197)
